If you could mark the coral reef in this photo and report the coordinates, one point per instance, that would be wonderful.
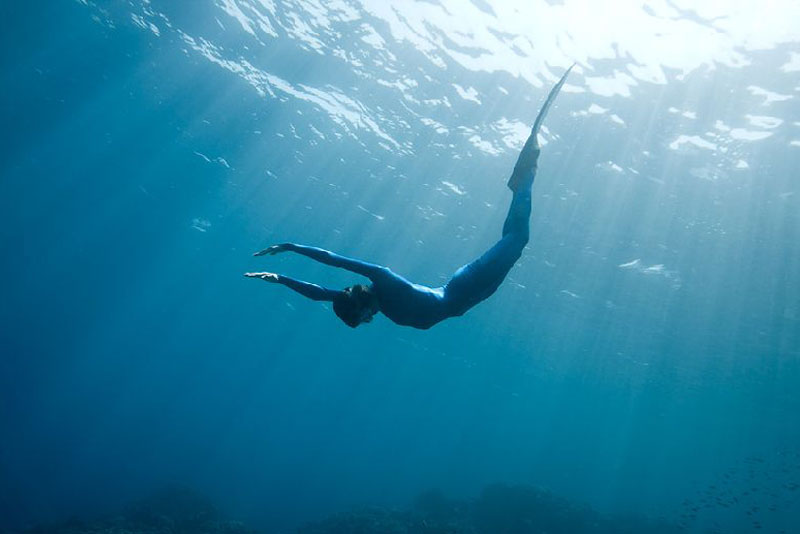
(173, 510)
(500, 509)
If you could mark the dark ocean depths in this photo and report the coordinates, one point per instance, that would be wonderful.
(640, 364)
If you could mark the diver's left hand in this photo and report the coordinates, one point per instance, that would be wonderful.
(267, 277)
(274, 249)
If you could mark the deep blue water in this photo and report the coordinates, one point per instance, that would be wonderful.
(644, 352)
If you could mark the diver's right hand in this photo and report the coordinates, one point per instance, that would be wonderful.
(274, 249)
(267, 277)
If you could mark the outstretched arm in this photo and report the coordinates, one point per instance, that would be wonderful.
(311, 291)
(370, 270)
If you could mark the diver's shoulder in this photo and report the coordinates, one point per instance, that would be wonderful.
(388, 274)
(390, 280)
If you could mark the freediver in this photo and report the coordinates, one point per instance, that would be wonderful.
(419, 306)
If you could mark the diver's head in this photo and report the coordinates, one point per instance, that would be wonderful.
(355, 305)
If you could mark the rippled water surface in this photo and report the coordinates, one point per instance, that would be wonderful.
(642, 357)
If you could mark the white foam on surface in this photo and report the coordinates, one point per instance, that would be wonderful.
(513, 134)
(655, 270)
(654, 38)
(372, 37)
(483, 145)
(454, 188)
(618, 84)
(694, 140)
(742, 134)
(342, 109)
(769, 96)
(200, 224)
(793, 65)
(651, 43)
(687, 114)
(469, 93)
(764, 121)
(721, 126)
(654, 35)
(438, 127)
(633, 264)
(374, 215)
(610, 166)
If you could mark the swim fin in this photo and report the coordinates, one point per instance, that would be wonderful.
(529, 154)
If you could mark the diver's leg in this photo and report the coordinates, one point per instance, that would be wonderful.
(479, 279)
(519, 215)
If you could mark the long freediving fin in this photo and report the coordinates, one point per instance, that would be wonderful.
(549, 102)
(526, 160)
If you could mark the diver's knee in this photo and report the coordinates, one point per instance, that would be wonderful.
(520, 239)
(524, 238)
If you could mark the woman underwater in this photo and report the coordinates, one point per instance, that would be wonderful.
(418, 306)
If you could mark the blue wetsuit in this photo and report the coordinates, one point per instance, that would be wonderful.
(410, 304)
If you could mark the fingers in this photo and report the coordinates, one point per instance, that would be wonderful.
(272, 250)
(267, 277)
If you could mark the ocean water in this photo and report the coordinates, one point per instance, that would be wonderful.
(643, 357)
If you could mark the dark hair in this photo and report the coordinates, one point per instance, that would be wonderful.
(349, 304)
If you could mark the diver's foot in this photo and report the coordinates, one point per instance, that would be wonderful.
(525, 168)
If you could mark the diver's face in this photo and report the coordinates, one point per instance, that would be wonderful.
(367, 314)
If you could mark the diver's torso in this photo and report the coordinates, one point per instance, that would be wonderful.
(410, 304)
